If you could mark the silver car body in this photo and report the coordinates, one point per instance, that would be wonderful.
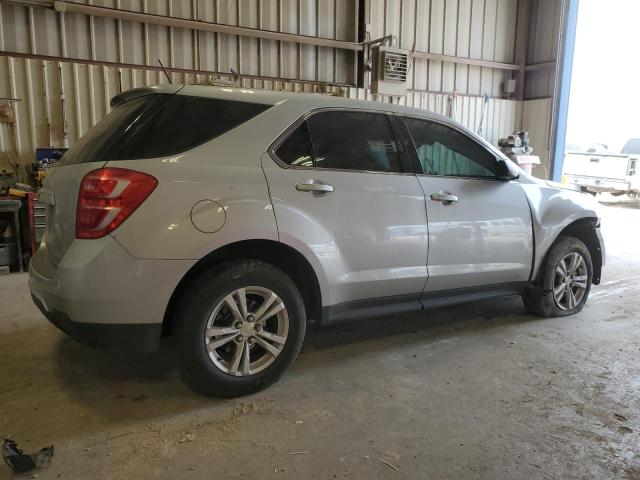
(376, 240)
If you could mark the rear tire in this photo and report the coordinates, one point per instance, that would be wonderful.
(563, 286)
(229, 346)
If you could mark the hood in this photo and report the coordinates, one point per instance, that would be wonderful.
(530, 179)
(559, 198)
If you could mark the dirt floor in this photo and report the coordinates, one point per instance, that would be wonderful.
(482, 390)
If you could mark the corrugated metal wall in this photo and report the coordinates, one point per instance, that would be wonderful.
(480, 29)
(47, 32)
(537, 112)
(543, 47)
(483, 29)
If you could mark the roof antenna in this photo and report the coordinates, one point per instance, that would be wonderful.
(165, 72)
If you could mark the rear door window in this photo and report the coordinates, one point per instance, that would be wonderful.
(348, 140)
(343, 140)
(159, 125)
(444, 151)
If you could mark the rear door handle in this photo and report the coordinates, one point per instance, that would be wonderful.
(314, 186)
(445, 197)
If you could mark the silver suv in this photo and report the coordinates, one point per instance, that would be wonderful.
(232, 218)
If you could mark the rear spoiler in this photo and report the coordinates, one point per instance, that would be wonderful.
(141, 92)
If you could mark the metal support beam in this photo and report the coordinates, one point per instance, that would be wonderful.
(362, 8)
(550, 65)
(70, 7)
(466, 61)
(523, 23)
(157, 68)
(568, 28)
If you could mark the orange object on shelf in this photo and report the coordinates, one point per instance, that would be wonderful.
(18, 193)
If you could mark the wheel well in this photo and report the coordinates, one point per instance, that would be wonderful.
(585, 230)
(274, 253)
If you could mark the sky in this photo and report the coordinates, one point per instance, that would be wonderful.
(604, 102)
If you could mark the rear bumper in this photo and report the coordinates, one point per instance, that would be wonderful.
(102, 296)
(140, 337)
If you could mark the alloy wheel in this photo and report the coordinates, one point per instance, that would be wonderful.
(247, 331)
(570, 281)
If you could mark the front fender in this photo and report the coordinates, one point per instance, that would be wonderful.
(552, 210)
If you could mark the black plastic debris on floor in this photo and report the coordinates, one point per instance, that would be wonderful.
(21, 462)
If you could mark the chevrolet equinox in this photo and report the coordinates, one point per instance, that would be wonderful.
(232, 218)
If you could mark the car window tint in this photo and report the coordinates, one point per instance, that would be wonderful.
(442, 150)
(296, 149)
(102, 139)
(353, 141)
(159, 125)
(184, 122)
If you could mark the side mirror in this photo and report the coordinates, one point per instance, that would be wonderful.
(506, 171)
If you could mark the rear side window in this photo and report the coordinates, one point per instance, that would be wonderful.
(159, 125)
(445, 151)
(343, 140)
(102, 140)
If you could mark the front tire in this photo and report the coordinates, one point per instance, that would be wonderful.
(239, 328)
(564, 281)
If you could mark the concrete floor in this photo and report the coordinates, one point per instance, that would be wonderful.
(482, 390)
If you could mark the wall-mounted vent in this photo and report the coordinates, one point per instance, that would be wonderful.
(395, 66)
(389, 71)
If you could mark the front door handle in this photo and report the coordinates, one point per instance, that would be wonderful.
(445, 197)
(314, 186)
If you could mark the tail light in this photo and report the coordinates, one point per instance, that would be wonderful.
(107, 197)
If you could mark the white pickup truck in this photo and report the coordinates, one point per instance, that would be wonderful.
(596, 170)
